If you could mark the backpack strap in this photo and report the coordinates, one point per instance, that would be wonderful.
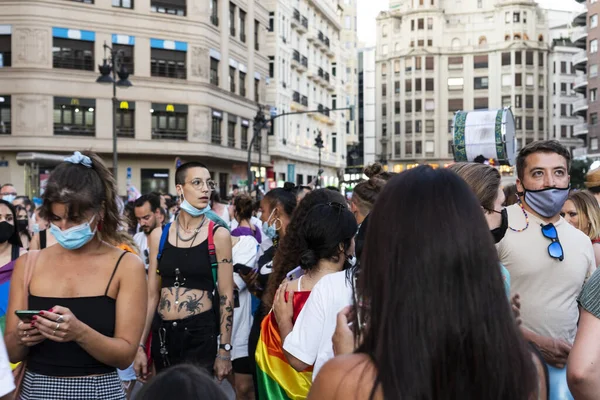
(163, 240)
(212, 251)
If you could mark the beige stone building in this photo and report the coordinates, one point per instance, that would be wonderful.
(198, 69)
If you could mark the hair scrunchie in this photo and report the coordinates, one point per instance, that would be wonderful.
(78, 158)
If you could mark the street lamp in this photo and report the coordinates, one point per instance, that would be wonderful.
(319, 145)
(259, 124)
(114, 66)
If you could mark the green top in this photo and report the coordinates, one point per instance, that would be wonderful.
(589, 298)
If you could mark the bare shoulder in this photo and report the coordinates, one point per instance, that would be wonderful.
(222, 234)
(129, 263)
(154, 237)
(346, 377)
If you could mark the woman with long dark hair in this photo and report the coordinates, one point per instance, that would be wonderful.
(10, 249)
(324, 233)
(22, 226)
(89, 297)
(432, 316)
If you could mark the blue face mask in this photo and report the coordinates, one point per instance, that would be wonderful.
(9, 197)
(269, 230)
(193, 211)
(74, 237)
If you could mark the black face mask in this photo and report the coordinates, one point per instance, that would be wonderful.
(499, 232)
(22, 225)
(6, 231)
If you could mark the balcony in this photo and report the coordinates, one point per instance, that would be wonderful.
(304, 100)
(295, 19)
(296, 97)
(313, 36)
(580, 84)
(304, 62)
(169, 134)
(303, 27)
(320, 40)
(579, 37)
(580, 60)
(580, 129)
(580, 107)
(580, 19)
(295, 58)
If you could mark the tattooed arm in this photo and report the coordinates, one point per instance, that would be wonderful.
(225, 285)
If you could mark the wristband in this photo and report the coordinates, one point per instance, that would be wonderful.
(224, 358)
(143, 347)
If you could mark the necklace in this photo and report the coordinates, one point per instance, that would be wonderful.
(196, 231)
(526, 219)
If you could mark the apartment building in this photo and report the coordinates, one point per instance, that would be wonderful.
(198, 71)
(436, 57)
(309, 71)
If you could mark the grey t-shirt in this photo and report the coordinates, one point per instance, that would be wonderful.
(589, 298)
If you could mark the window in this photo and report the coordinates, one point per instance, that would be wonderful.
(169, 121)
(593, 70)
(384, 49)
(594, 118)
(271, 21)
(429, 23)
(384, 30)
(232, 19)
(256, 35)
(506, 101)
(541, 124)
(429, 105)
(397, 87)
(541, 104)
(518, 79)
(257, 90)
(408, 85)
(215, 129)
(271, 66)
(418, 105)
(173, 7)
(519, 123)
(125, 119)
(384, 110)
(505, 59)
(529, 123)
(563, 67)
(563, 131)
(383, 89)
(214, 12)
(518, 58)
(242, 23)
(507, 17)
(479, 3)
(418, 147)
(242, 84)
(541, 81)
(455, 62)
(481, 83)
(529, 57)
(418, 85)
(384, 130)
(593, 95)
(480, 62)
(594, 46)
(429, 126)
(516, 17)
(455, 105)
(418, 127)
(73, 54)
(540, 59)
(396, 128)
(5, 115)
(408, 106)
(518, 102)
(429, 63)
(481, 103)
(214, 71)
(231, 123)
(594, 144)
(396, 107)
(408, 127)
(429, 85)
(168, 63)
(127, 56)
(524, 17)
(412, 24)
(5, 51)
(507, 80)
(429, 43)
(396, 66)
(244, 134)
(529, 80)
(397, 148)
(122, 3)
(421, 43)
(383, 69)
(418, 63)
(420, 24)
(563, 110)
(408, 149)
(529, 101)
(74, 117)
(594, 21)
(455, 83)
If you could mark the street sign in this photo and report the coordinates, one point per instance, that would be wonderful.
(3, 163)
(128, 173)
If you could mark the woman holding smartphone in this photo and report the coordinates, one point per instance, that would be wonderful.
(91, 295)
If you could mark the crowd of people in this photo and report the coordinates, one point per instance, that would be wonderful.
(429, 284)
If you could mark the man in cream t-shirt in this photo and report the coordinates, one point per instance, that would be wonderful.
(548, 259)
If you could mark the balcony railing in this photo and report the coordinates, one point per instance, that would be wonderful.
(320, 72)
(296, 97)
(74, 130)
(296, 15)
(126, 133)
(580, 60)
(296, 56)
(214, 20)
(215, 138)
(580, 107)
(580, 129)
(326, 76)
(169, 134)
(304, 101)
(4, 128)
(304, 61)
(244, 144)
(231, 141)
(304, 22)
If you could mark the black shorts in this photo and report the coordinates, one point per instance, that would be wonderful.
(242, 365)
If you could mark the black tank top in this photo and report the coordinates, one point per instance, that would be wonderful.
(191, 265)
(69, 359)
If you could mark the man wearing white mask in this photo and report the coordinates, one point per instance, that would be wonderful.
(8, 192)
(548, 259)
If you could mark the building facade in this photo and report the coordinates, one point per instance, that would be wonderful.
(435, 57)
(198, 71)
(308, 68)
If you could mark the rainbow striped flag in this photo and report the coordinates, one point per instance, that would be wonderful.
(277, 379)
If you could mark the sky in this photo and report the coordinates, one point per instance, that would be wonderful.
(369, 9)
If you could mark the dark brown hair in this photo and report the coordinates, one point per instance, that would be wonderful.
(377, 170)
(483, 180)
(510, 192)
(243, 207)
(84, 189)
(541, 146)
(365, 194)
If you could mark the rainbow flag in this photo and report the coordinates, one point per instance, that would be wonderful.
(277, 379)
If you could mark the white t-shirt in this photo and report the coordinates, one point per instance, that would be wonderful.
(141, 240)
(310, 339)
(7, 381)
(266, 241)
(548, 287)
(244, 252)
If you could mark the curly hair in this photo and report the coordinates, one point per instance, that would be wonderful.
(293, 244)
(85, 189)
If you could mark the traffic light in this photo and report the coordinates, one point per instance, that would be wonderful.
(351, 113)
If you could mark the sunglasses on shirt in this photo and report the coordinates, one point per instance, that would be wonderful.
(555, 249)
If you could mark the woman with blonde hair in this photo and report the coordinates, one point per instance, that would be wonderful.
(582, 211)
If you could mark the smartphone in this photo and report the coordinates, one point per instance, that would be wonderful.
(242, 269)
(294, 274)
(25, 315)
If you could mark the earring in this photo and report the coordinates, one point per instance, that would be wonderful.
(275, 223)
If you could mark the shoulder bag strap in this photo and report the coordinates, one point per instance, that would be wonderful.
(163, 240)
(212, 251)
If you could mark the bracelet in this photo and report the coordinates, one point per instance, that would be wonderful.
(143, 347)
(224, 358)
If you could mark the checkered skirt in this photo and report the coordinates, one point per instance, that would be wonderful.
(98, 387)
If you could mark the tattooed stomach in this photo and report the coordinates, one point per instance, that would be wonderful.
(180, 303)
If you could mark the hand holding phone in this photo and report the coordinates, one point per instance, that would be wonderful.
(26, 315)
